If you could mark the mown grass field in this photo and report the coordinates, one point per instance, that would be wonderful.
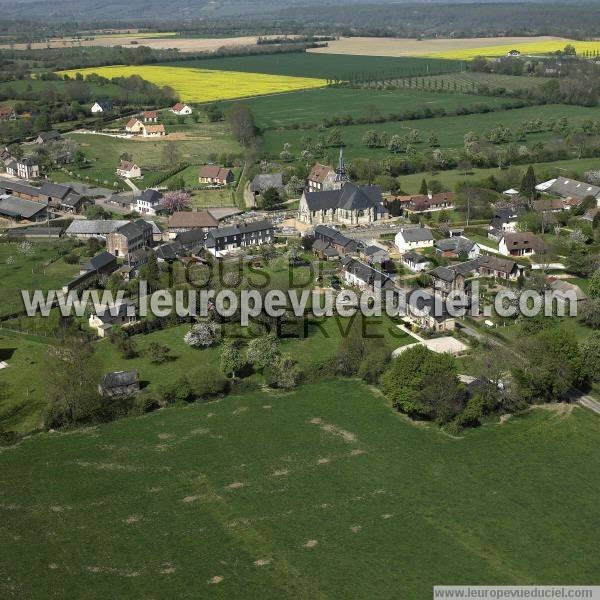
(449, 130)
(40, 269)
(195, 145)
(341, 498)
(323, 66)
(312, 106)
(201, 85)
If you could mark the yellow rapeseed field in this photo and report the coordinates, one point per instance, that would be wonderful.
(202, 85)
(542, 47)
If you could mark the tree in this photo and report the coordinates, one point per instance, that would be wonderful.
(589, 313)
(371, 139)
(71, 376)
(214, 113)
(203, 335)
(271, 198)
(334, 138)
(433, 140)
(423, 190)
(527, 188)
(422, 383)
(594, 285)
(149, 271)
(282, 373)
(590, 350)
(157, 353)
(171, 155)
(396, 144)
(241, 121)
(263, 351)
(232, 359)
(176, 201)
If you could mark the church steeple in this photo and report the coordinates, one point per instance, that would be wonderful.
(340, 173)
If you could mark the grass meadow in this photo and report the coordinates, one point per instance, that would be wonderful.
(312, 106)
(324, 492)
(449, 130)
(201, 85)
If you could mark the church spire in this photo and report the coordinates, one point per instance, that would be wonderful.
(340, 176)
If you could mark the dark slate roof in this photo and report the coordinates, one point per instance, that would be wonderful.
(135, 229)
(152, 196)
(467, 267)
(324, 247)
(496, 263)
(49, 136)
(417, 234)
(119, 378)
(251, 227)
(336, 237)
(191, 237)
(99, 261)
(566, 187)
(21, 188)
(372, 250)
(170, 251)
(264, 181)
(36, 231)
(55, 190)
(443, 273)
(415, 257)
(27, 161)
(367, 273)
(350, 197)
(455, 244)
(22, 208)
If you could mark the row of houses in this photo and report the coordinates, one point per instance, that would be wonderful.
(149, 116)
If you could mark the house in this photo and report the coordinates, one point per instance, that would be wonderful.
(363, 276)
(119, 384)
(415, 261)
(84, 229)
(414, 237)
(181, 221)
(181, 109)
(223, 240)
(63, 197)
(128, 170)
(37, 233)
(571, 190)
(120, 313)
(564, 287)
(324, 250)
(101, 107)
(375, 254)
(192, 241)
(321, 178)
(17, 209)
(519, 244)
(546, 205)
(148, 202)
(447, 281)
(503, 221)
(456, 247)
(150, 116)
(134, 125)
(7, 113)
(342, 244)
(47, 136)
(129, 238)
(499, 268)
(265, 181)
(153, 130)
(513, 53)
(215, 175)
(24, 168)
(101, 264)
(348, 205)
(170, 252)
(423, 311)
(431, 202)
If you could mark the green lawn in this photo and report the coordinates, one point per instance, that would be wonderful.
(320, 493)
(450, 131)
(312, 106)
(39, 269)
(201, 141)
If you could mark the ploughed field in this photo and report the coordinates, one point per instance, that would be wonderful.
(324, 492)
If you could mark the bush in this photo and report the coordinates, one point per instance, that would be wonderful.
(71, 258)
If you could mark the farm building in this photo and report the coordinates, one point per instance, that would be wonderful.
(264, 181)
(181, 221)
(18, 209)
(119, 384)
(129, 238)
(47, 136)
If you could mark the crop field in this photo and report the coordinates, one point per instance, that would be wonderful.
(325, 66)
(451, 48)
(201, 85)
(340, 498)
(449, 130)
(310, 106)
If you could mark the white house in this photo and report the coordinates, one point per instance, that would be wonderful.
(100, 107)
(181, 109)
(128, 170)
(414, 237)
(148, 202)
(519, 244)
(415, 261)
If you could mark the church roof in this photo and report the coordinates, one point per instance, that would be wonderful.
(349, 197)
